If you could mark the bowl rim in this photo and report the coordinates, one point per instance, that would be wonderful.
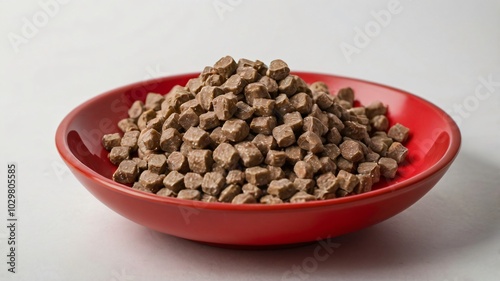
(77, 165)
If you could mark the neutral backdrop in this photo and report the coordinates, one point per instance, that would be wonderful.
(55, 55)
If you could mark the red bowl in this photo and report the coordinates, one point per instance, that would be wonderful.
(433, 145)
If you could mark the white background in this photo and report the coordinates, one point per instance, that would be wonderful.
(435, 49)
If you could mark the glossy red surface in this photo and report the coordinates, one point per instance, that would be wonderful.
(433, 144)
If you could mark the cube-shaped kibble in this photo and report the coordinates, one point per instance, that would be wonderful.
(346, 94)
(174, 181)
(225, 66)
(250, 155)
(364, 185)
(224, 107)
(319, 86)
(235, 177)
(303, 170)
(263, 107)
(322, 194)
(397, 152)
(379, 122)
(178, 162)
(294, 154)
(275, 158)
(302, 102)
(234, 84)
(249, 74)
(278, 69)
(194, 85)
(228, 193)
(275, 173)
(333, 136)
(130, 139)
(270, 199)
(388, 167)
(284, 136)
(195, 105)
(156, 123)
(208, 121)
(170, 140)
(136, 109)
(144, 118)
(301, 197)
(206, 96)
(354, 130)
(257, 175)
(294, 120)
(323, 99)
(311, 142)
(327, 165)
(188, 119)
(347, 180)
(208, 198)
(153, 101)
(372, 157)
(253, 190)
(200, 160)
(151, 181)
(313, 124)
(244, 111)
(288, 85)
(263, 125)
(398, 133)
(165, 192)
(149, 139)
(371, 169)
(244, 198)
(344, 164)
(254, 91)
(118, 154)
(189, 194)
(196, 137)
(282, 188)
(226, 155)
(375, 108)
(127, 124)
(351, 150)
(235, 130)
(213, 183)
(141, 163)
(192, 180)
(306, 185)
(283, 105)
(264, 143)
(111, 140)
(127, 172)
(172, 121)
(331, 150)
(157, 163)
(328, 182)
(217, 136)
(313, 160)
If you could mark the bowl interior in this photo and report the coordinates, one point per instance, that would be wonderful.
(431, 130)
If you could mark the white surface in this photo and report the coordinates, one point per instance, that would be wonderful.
(435, 49)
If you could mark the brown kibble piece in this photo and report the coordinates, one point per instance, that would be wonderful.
(192, 180)
(375, 108)
(149, 139)
(206, 96)
(213, 183)
(283, 105)
(322, 194)
(196, 137)
(217, 136)
(264, 143)
(118, 154)
(332, 151)
(284, 136)
(127, 124)
(282, 188)
(257, 175)
(301, 197)
(313, 160)
(306, 185)
(235, 130)
(263, 125)
(347, 180)
(188, 119)
(344, 164)
(398, 133)
(364, 185)
(303, 170)
(313, 124)
(150, 181)
(244, 111)
(165, 192)
(228, 193)
(249, 153)
(379, 122)
(194, 85)
(327, 165)
(141, 163)
(294, 120)
(278, 70)
(194, 104)
(200, 160)
(235, 177)
(172, 121)
(225, 66)
(311, 142)
(333, 136)
(302, 102)
(263, 107)
(270, 84)
(346, 94)
(111, 140)
(209, 121)
(275, 158)
(136, 109)
(144, 118)
(208, 198)
(288, 86)
(244, 198)
(178, 162)
(189, 194)
(157, 163)
(351, 150)
(224, 107)
(354, 130)
(388, 167)
(371, 169)
(249, 74)
(294, 154)
(170, 140)
(153, 101)
(397, 152)
(323, 100)
(130, 139)
(127, 172)
(328, 182)
(270, 199)
(254, 91)
(275, 173)
(234, 84)
(226, 156)
(174, 181)
(319, 86)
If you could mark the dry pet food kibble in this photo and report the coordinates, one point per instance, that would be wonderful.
(243, 132)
